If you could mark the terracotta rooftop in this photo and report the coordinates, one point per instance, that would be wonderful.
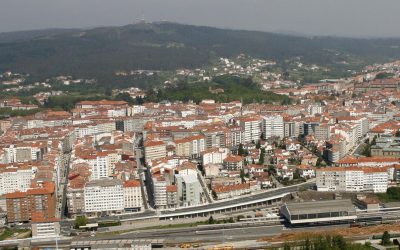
(131, 183)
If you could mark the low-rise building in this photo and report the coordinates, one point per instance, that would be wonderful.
(233, 163)
(319, 211)
(230, 191)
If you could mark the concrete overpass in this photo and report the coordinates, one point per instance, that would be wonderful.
(269, 198)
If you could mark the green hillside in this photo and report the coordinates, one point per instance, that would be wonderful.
(234, 89)
(98, 53)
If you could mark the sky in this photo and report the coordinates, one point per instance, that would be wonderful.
(351, 18)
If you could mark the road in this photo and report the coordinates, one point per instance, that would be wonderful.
(141, 173)
(356, 150)
(151, 214)
(195, 234)
(204, 186)
(213, 206)
(215, 235)
(267, 194)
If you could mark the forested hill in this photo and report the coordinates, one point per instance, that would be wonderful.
(166, 46)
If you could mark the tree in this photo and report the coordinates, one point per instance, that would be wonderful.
(339, 242)
(285, 75)
(384, 75)
(240, 150)
(296, 174)
(385, 238)
(81, 221)
(392, 194)
(211, 220)
(286, 246)
(139, 100)
(397, 133)
(239, 217)
(307, 244)
(242, 175)
(262, 156)
(124, 96)
(320, 162)
(373, 140)
(271, 170)
(366, 150)
(258, 145)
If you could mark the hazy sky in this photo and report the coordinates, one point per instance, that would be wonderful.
(366, 18)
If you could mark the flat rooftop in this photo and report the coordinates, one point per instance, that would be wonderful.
(104, 183)
(315, 207)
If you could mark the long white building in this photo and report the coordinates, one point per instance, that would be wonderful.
(352, 179)
(105, 195)
(16, 179)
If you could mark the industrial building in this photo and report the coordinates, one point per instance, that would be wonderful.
(319, 212)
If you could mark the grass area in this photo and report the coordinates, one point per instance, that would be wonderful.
(109, 224)
(7, 233)
(170, 226)
(392, 195)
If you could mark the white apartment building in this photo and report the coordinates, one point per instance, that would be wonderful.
(45, 229)
(93, 129)
(273, 126)
(190, 146)
(314, 109)
(375, 180)
(154, 150)
(214, 156)
(106, 127)
(251, 129)
(362, 122)
(350, 133)
(133, 200)
(160, 192)
(84, 130)
(16, 179)
(103, 163)
(189, 189)
(118, 112)
(99, 167)
(104, 196)
(112, 158)
(291, 129)
(352, 179)
(14, 153)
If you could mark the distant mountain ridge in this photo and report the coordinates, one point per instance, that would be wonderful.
(99, 52)
(15, 36)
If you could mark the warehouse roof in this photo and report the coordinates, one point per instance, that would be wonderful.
(315, 207)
